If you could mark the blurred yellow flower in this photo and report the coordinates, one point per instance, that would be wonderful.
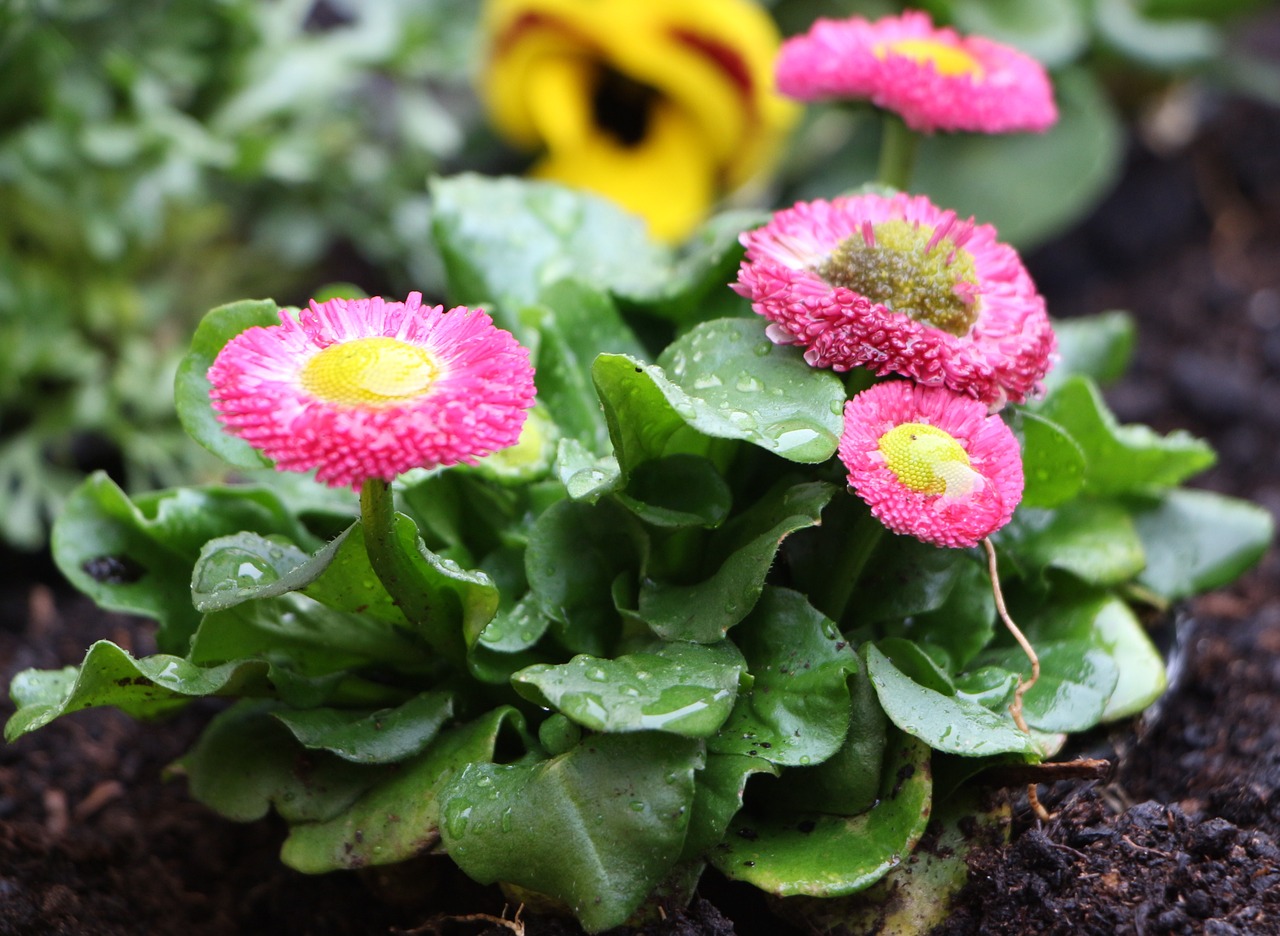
(660, 105)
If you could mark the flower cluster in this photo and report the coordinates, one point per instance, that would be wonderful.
(897, 285)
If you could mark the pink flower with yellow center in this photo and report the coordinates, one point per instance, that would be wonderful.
(931, 463)
(900, 286)
(363, 388)
(933, 78)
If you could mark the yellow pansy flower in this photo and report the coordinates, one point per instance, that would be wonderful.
(660, 105)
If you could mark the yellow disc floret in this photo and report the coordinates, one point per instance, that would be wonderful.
(369, 372)
(929, 460)
(948, 60)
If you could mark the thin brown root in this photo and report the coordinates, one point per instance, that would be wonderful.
(1033, 800)
(434, 925)
(1023, 684)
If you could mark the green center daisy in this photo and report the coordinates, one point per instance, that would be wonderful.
(369, 372)
(928, 460)
(896, 265)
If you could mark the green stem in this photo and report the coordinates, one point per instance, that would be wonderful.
(848, 564)
(389, 562)
(898, 147)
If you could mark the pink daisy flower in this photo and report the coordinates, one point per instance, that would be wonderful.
(363, 388)
(898, 285)
(931, 463)
(933, 78)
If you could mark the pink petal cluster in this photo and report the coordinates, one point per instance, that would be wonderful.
(475, 405)
(1004, 356)
(940, 519)
(855, 58)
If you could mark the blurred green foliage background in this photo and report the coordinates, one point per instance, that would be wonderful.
(160, 157)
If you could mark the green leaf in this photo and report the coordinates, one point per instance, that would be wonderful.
(1122, 459)
(555, 827)
(916, 897)
(575, 323)
(694, 290)
(505, 240)
(678, 491)
(1052, 463)
(741, 385)
(1093, 540)
(315, 639)
(704, 612)
(1052, 31)
(1077, 678)
(962, 625)
(383, 736)
(717, 798)
(848, 782)
(797, 712)
(684, 689)
(831, 856)
(1096, 346)
(1196, 541)
(1072, 632)
(191, 387)
(585, 476)
(1162, 44)
(143, 688)
(247, 762)
(906, 577)
(575, 552)
(245, 566)
(137, 556)
(946, 723)
(399, 817)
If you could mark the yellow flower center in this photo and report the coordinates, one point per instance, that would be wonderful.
(369, 372)
(947, 60)
(898, 264)
(929, 460)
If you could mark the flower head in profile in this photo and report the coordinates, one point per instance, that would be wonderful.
(930, 463)
(934, 79)
(659, 105)
(363, 388)
(900, 286)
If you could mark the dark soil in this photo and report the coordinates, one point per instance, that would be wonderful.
(95, 842)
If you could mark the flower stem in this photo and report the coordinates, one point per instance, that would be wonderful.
(390, 563)
(898, 147)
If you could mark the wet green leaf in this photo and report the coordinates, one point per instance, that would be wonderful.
(575, 552)
(1093, 540)
(1052, 463)
(633, 788)
(575, 323)
(831, 856)
(381, 736)
(704, 612)
(1077, 679)
(246, 762)
(1196, 541)
(1121, 459)
(137, 555)
(191, 387)
(678, 491)
(398, 817)
(505, 240)
(797, 712)
(717, 798)
(740, 385)
(1096, 346)
(148, 687)
(684, 689)
(947, 723)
